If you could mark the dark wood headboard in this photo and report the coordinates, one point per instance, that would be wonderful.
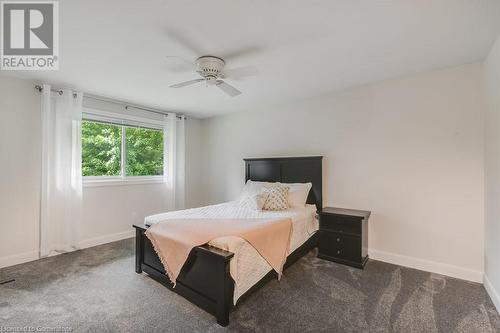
(289, 170)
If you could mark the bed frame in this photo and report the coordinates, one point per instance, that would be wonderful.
(205, 279)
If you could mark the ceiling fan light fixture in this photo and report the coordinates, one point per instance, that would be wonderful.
(211, 69)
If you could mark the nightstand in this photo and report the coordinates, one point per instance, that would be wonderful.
(343, 236)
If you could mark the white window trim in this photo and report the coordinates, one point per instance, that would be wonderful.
(96, 181)
(100, 115)
(94, 114)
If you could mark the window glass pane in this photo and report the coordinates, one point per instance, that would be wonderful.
(144, 152)
(101, 149)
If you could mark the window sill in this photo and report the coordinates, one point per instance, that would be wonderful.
(98, 181)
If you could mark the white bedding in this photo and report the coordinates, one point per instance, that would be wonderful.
(247, 266)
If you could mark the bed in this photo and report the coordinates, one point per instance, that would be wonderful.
(221, 274)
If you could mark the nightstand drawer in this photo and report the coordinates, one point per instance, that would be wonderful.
(351, 225)
(342, 246)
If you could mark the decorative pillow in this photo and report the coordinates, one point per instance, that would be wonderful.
(297, 194)
(254, 201)
(278, 197)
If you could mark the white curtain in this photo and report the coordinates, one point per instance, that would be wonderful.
(61, 196)
(174, 134)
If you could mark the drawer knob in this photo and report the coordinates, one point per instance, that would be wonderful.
(338, 239)
(338, 251)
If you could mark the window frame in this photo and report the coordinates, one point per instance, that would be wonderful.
(125, 120)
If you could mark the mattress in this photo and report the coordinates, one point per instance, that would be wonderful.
(247, 266)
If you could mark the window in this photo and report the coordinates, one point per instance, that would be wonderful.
(144, 152)
(101, 149)
(121, 152)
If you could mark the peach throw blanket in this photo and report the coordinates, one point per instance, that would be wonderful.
(174, 239)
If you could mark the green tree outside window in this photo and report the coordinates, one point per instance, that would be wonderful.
(102, 150)
(144, 152)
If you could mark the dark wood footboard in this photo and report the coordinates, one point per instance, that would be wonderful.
(204, 279)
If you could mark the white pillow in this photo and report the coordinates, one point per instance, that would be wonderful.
(252, 188)
(254, 201)
(297, 192)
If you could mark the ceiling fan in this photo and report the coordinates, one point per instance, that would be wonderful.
(211, 69)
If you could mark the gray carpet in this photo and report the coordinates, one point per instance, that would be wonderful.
(96, 290)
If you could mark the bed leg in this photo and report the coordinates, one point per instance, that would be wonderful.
(139, 250)
(223, 320)
(225, 302)
(223, 308)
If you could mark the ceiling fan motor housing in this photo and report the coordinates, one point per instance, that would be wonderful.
(210, 68)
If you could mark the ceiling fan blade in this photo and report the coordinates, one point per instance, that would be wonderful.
(240, 53)
(183, 40)
(240, 72)
(186, 83)
(227, 88)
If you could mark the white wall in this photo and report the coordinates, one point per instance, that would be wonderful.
(20, 161)
(410, 150)
(492, 174)
(108, 211)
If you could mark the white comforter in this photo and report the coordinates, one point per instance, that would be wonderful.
(247, 266)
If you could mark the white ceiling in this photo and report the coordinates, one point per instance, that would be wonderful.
(117, 48)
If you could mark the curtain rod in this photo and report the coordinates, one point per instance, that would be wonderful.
(127, 106)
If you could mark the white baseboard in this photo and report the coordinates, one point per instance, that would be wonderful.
(18, 258)
(495, 297)
(427, 265)
(33, 255)
(106, 239)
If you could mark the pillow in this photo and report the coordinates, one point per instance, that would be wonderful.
(254, 201)
(297, 194)
(277, 197)
(253, 188)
